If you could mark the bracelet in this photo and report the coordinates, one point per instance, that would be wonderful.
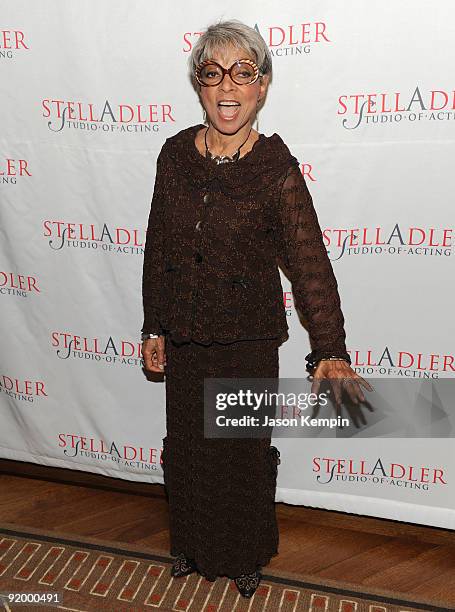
(312, 362)
(147, 336)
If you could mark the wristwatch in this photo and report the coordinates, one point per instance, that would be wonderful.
(147, 336)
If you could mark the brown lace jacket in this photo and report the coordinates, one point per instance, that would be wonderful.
(216, 235)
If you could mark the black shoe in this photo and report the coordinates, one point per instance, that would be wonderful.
(182, 566)
(248, 583)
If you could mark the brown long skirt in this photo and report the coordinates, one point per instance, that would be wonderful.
(221, 492)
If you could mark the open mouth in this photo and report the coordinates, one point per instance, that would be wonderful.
(228, 109)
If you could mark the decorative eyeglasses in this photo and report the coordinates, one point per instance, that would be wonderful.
(243, 72)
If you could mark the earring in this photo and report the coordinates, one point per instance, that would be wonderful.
(204, 115)
(257, 118)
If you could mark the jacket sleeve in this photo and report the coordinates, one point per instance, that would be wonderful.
(153, 264)
(304, 259)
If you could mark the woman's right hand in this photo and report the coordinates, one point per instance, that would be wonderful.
(153, 354)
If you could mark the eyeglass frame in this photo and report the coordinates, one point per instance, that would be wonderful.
(225, 71)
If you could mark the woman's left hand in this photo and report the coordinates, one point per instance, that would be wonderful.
(341, 376)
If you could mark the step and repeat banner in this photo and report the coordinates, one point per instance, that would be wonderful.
(363, 95)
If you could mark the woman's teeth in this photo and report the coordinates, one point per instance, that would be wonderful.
(228, 110)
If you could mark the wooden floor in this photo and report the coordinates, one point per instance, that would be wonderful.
(413, 560)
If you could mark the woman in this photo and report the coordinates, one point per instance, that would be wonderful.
(228, 204)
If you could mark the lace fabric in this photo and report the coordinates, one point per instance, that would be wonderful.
(153, 263)
(259, 214)
(221, 492)
(222, 287)
(303, 257)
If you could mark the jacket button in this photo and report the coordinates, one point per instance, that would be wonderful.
(198, 226)
(206, 198)
(198, 257)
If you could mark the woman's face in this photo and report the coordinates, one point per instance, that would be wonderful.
(229, 119)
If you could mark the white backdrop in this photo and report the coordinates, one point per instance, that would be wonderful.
(363, 95)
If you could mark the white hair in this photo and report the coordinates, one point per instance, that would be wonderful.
(220, 36)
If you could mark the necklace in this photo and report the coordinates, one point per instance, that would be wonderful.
(223, 159)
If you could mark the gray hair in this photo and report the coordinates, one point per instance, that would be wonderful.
(230, 33)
